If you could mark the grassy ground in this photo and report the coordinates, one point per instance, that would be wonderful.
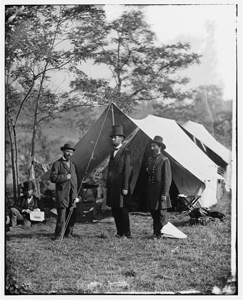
(96, 262)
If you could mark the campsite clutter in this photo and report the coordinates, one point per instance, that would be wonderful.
(203, 216)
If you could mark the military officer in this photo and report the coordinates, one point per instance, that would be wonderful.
(159, 181)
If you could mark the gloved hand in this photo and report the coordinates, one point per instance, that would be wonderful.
(77, 200)
(124, 192)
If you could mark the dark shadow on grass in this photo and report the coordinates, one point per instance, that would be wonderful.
(31, 235)
(184, 223)
(90, 218)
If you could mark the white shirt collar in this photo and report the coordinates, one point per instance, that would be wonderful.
(118, 147)
(29, 199)
(116, 150)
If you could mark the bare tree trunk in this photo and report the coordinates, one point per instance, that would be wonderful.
(10, 126)
(16, 155)
(12, 160)
(33, 141)
(209, 110)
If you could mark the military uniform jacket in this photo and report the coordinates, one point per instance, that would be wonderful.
(159, 181)
(119, 178)
(64, 186)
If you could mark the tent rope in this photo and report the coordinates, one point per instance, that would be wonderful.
(92, 154)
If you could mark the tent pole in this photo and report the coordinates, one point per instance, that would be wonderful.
(112, 115)
(92, 154)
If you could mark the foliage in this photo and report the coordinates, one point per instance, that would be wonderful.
(140, 69)
(39, 40)
(44, 38)
(207, 108)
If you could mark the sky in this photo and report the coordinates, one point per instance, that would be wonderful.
(210, 30)
(188, 23)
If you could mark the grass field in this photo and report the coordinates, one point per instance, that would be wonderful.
(96, 262)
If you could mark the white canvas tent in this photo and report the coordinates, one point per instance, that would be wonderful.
(210, 146)
(193, 172)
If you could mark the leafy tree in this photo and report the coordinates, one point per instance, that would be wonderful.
(223, 128)
(40, 40)
(140, 70)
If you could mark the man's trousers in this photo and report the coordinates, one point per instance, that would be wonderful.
(160, 219)
(17, 217)
(62, 214)
(121, 217)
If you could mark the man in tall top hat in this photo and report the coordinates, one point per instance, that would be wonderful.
(20, 212)
(118, 182)
(65, 175)
(159, 181)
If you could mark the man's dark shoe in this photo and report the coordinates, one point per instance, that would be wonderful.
(57, 238)
(69, 236)
(128, 237)
(157, 236)
(118, 235)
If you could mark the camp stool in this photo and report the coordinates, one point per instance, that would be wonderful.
(189, 201)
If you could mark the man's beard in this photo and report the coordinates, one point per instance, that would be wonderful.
(154, 152)
(116, 144)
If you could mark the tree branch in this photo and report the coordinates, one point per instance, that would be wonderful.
(22, 103)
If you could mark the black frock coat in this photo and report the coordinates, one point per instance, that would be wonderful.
(64, 186)
(118, 178)
(22, 203)
(159, 181)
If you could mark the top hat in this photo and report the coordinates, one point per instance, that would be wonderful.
(117, 130)
(28, 185)
(159, 140)
(67, 146)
